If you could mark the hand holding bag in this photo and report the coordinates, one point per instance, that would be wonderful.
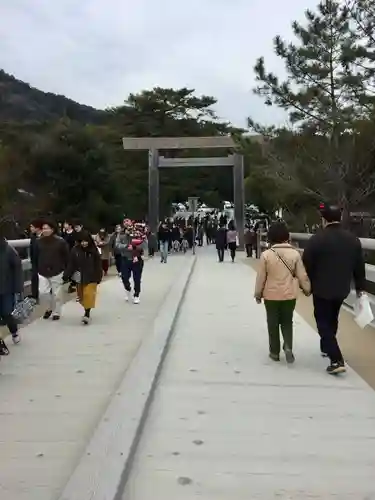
(363, 311)
(23, 309)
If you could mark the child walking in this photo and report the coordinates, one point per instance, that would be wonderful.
(280, 272)
(85, 267)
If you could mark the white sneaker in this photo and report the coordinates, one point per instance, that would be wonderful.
(136, 300)
(86, 320)
(16, 339)
(128, 296)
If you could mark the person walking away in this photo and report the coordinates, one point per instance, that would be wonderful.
(221, 242)
(175, 238)
(115, 252)
(11, 286)
(189, 235)
(35, 233)
(249, 241)
(164, 237)
(333, 258)
(52, 259)
(86, 265)
(152, 243)
(102, 240)
(232, 238)
(200, 235)
(280, 272)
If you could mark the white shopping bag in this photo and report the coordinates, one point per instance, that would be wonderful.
(363, 312)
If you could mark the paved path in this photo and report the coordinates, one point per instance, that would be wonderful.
(227, 423)
(55, 386)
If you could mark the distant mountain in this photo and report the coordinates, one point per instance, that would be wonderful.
(19, 102)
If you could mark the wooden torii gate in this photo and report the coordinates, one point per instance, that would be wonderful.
(156, 144)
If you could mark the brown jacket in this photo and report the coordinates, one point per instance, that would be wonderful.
(104, 244)
(274, 281)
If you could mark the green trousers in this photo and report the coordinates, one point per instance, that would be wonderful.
(280, 315)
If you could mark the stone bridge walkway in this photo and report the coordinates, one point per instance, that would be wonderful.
(216, 420)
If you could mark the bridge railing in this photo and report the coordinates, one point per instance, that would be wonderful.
(299, 240)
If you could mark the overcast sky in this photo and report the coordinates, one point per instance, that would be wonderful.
(98, 51)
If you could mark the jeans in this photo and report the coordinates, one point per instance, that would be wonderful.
(130, 268)
(52, 289)
(7, 303)
(326, 312)
(164, 247)
(118, 262)
(220, 254)
(280, 315)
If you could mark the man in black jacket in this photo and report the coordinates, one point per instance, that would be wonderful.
(221, 241)
(333, 258)
(52, 260)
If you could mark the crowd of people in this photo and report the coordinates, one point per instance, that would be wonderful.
(181, 234)
(69, 254)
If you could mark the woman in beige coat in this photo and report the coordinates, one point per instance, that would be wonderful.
(280, 275)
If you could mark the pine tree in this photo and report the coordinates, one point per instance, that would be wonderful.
(363, 57)
(315, 93)
(327, 97)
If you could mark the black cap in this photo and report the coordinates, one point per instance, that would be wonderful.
(331, 213)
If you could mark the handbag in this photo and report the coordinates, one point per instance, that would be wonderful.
(23, 309)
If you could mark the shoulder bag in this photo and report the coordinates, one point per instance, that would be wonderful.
(292, 271)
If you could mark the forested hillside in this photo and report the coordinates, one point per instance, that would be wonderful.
(59, 157)
(22, 103)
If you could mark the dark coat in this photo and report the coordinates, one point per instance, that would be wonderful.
(70, 238)
(11, 273)
(164, 234)
(333, 258)
(87, 263)
(221, 238)
(52, 255)
(33, 251)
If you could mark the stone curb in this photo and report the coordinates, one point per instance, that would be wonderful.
(103, 470)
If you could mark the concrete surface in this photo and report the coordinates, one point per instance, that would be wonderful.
(228, 423)
(105, 464)
(56, 385)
